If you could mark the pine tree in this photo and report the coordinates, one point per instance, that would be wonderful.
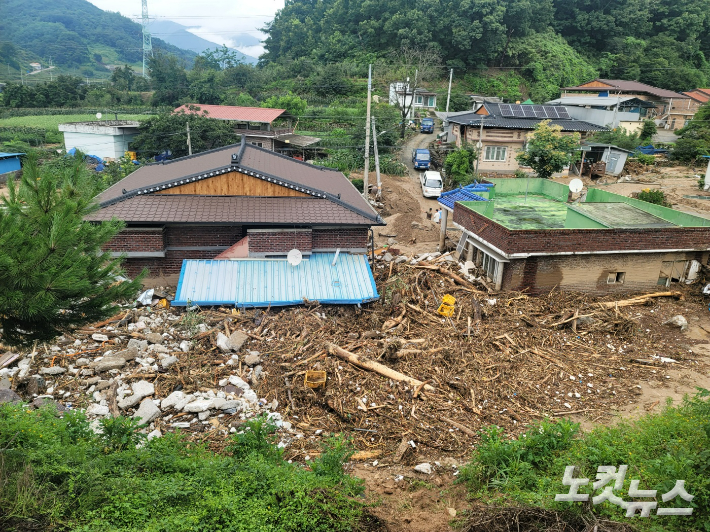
(53, 274)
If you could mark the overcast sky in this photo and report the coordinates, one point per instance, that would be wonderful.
(214, 20)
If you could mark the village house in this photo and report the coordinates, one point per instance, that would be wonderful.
(524, 234)
(405, 97)
(107, 139)
(627, 112)
(671, 109)
(503, 130)
(256, 124)
(698, 97)
(240, 202)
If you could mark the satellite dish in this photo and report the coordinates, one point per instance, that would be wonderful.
(576, 185)
(98, 116)
(294, 257)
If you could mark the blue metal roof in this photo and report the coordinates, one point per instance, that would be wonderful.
(467, 193)
(5, 154)
(264, 282)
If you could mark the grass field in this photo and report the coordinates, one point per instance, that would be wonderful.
(51, 122)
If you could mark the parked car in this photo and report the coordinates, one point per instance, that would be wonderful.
(432, 184)
(421, 159)
(427, 125)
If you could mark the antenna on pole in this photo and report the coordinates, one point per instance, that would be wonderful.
(147, 43)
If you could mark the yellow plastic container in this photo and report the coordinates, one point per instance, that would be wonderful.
(315, 379)
(447, 306)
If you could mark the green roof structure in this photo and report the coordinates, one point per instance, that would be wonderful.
(542, 204)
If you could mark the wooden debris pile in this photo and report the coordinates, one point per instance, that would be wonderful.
(402, 380)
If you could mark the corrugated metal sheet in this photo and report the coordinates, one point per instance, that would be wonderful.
(264, 282)
(467, 193)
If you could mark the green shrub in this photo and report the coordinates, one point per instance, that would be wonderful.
(359, 184)
(55, 474)
(655, 196)
(643, 158)
(658, 450)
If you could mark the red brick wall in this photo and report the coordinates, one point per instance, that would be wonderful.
(578, 240)
(132, 240)
(279, 241)
(168, 265)
(192, 236)
(344, 239)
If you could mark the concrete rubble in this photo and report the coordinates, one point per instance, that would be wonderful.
(114, 371)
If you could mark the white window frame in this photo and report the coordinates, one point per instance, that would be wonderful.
(499, 153)
(431, 101)
(418, 99)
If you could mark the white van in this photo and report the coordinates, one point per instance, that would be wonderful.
(432, 184)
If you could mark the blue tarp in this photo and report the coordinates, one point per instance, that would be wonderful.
(650, 150)
(10, 162)
(467, 193)
(249, 283)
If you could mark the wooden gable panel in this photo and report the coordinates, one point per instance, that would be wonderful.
(596, 84)
(482, 111)
(233, 184)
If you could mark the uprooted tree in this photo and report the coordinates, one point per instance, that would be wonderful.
(548, 150)
(53, 272)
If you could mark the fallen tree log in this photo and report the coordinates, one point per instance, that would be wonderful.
(639, 300)
(376, 367)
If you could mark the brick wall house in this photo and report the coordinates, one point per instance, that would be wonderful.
(655, 249)
(242, 196)
(503, 134)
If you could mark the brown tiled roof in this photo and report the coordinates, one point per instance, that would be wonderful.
(314, 177)
(628, 86)
(699, 95)
(324, 184)
(231, 112)
(178, 208)
(154, 173)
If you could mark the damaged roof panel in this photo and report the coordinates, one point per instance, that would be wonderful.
(328, 278)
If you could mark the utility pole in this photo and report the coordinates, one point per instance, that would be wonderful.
(377, 159)
(147, 42)
(189, 144)
(366, 177)
(479, 145)
(448, 97)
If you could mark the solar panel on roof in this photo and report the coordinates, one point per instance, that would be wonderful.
(539, 111)
(506, 110)
(518, 111)
(563, 114)
(550, 112)
(529, 111)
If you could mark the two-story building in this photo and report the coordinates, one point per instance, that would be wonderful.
(671, 110)
(264, 127)
(403, 95)
(503, 129)
(627, 112)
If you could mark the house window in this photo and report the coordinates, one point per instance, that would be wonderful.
(495, 153)
(260, 144)
(672, 272)
(431, 101)
(490, 266)
(418, 100)
(616, 278)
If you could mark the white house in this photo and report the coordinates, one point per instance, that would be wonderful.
(107, 139)
(401, 94)
(612, 111)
